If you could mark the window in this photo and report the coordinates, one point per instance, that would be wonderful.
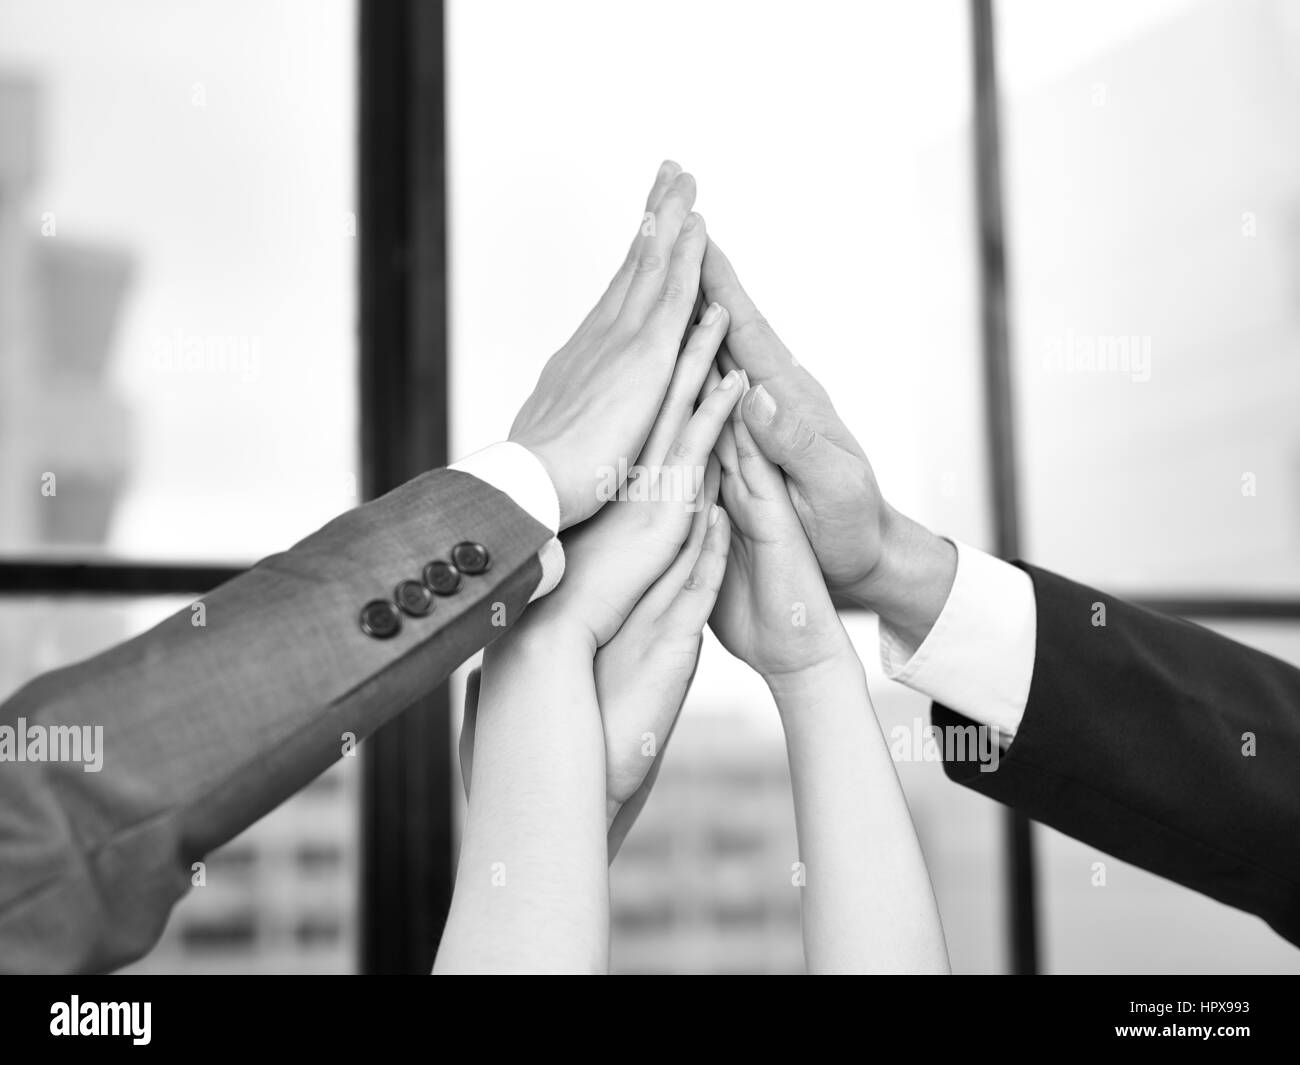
(1151, 234)
(177, 256)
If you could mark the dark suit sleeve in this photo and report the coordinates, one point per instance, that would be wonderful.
(1137, 738)
(206, 728)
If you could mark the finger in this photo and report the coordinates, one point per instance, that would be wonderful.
(727, 361)
(708, 495)
(671, 312)
(697, 313)
(787, 438)
(607, 308)
(665, 589)
(651, 267)
(712, 379)
(689, 611)
(725, 449)
(762, 477)
(730, 432)
(690, 451)
(692, 368)
(668, 171)
(469, 724)
(755, 346)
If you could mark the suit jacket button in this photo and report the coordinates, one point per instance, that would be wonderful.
(442, 577)
(414, 598)
(380, 619)
(470, 558)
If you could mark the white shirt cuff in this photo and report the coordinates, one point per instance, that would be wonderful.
(513, 469)
(979, 657)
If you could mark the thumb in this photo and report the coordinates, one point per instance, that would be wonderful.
(786, 438)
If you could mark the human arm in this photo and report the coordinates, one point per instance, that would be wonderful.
(867, 901)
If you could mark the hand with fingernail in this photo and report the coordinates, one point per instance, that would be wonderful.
(869, 553)
(598, 395)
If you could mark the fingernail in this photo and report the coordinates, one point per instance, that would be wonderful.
(712, 314)
(669, 166)
(729, 381)
(744, 377)
(715, 512)
(692, 220)
(762, 406)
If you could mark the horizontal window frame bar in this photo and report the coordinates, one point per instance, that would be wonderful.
(1199, 606)
(85, 577)
(90, 577)
(1219, 607)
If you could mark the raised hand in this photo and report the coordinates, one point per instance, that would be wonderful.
(867, 905)
(641, 576)
(773, 610)
(645, 671)
(642, 675)
(612, 559)
(598, 395)
(868, 551)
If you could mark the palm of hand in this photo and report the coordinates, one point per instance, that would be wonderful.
(614, 556)
(642, 677)
(773, 611)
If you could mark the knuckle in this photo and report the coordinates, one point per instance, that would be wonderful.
(679, 452)
(674, 291)
(797, 437)
(756, 325)
(649, 264)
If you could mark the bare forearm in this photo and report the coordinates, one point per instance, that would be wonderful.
(532, 889)
(868, 904)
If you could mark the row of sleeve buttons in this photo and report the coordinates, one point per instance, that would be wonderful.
(382, 618)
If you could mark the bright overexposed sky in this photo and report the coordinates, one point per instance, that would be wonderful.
(214, 143)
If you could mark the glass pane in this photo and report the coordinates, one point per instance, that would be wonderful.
(177, 253)
(831, 143)
(280, 897)
(1151, 186)
(1141, 923)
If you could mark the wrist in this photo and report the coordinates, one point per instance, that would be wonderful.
(810, 683)
(543, 635)
(909, 585)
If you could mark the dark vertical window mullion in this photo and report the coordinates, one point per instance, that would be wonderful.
(998, 398)
(407, 804)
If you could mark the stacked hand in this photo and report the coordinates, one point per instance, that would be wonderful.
(652, 386)
(642, 577)
(598, 395)
(809, 517)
